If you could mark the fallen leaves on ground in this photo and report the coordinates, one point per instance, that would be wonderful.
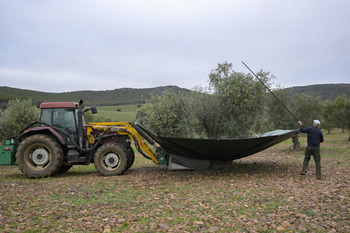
(261, 193)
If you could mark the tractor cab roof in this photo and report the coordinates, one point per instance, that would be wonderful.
(58, 105)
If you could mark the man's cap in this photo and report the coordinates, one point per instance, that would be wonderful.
(317, 122)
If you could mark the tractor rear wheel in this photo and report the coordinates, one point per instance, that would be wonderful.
(111, 159)
(39, 156)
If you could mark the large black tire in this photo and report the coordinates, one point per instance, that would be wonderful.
(39, 156)
(111, 159)
(131, 157)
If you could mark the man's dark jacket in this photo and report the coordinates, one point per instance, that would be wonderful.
(314, 136)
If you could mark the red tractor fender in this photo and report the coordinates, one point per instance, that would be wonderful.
(43, 130)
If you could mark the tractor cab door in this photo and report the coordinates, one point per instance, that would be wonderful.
(61, 118)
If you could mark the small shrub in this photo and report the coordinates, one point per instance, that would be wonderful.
(17, 115)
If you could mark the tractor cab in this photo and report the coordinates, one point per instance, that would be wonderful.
(61, 115)
(68, 117)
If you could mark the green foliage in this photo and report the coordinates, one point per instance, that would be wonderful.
(206, 112)
(329, 112)
(278, 116)
(235, 105)
(230, 108)
(341, 113)
(304, 108)
(307, 108)
(241, 99)
(17, 115)
(347, 115)
(167, 114)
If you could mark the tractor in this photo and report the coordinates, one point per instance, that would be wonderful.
(62, 139)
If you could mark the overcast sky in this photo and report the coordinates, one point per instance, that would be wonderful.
(59, 46)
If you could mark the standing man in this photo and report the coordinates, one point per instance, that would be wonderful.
(314, 138)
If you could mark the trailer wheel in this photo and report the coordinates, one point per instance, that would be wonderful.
(111, 159)
(131, 157)
(39, 156)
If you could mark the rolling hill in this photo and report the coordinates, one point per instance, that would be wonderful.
(138, 96)
(324, 91)
(110, 97)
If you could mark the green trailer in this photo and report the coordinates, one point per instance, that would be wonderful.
(8, 152)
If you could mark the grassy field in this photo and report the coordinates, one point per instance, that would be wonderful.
(261, 193)
(125, 113)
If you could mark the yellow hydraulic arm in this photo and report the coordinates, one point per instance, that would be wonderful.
(124, 128)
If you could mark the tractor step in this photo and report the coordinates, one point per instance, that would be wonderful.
(73, 156)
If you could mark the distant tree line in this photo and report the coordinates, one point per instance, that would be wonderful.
(115, 97)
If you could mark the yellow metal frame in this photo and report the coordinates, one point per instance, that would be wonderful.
(123, 128)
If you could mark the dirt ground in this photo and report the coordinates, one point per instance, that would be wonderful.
(261, 193)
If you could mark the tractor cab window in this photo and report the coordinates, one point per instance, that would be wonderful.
(46, 116)
(64, 118)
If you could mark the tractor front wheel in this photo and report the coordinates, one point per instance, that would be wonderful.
(131, 157)
(111, 159)
(39, 156)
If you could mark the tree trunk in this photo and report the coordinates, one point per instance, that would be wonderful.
(296, 143)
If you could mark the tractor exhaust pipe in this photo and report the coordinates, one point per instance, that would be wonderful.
(80, 123)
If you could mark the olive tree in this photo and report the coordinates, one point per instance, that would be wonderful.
(167, 114)
(278, 116)
(341, 114)
(17, 115)
(307, 108)
(230, 107)
(206, 113)
(241, 99)
(329, 113)
(347, 116)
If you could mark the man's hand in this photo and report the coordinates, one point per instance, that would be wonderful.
(300, 123)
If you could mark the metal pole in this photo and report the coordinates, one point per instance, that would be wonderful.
(270, 91)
